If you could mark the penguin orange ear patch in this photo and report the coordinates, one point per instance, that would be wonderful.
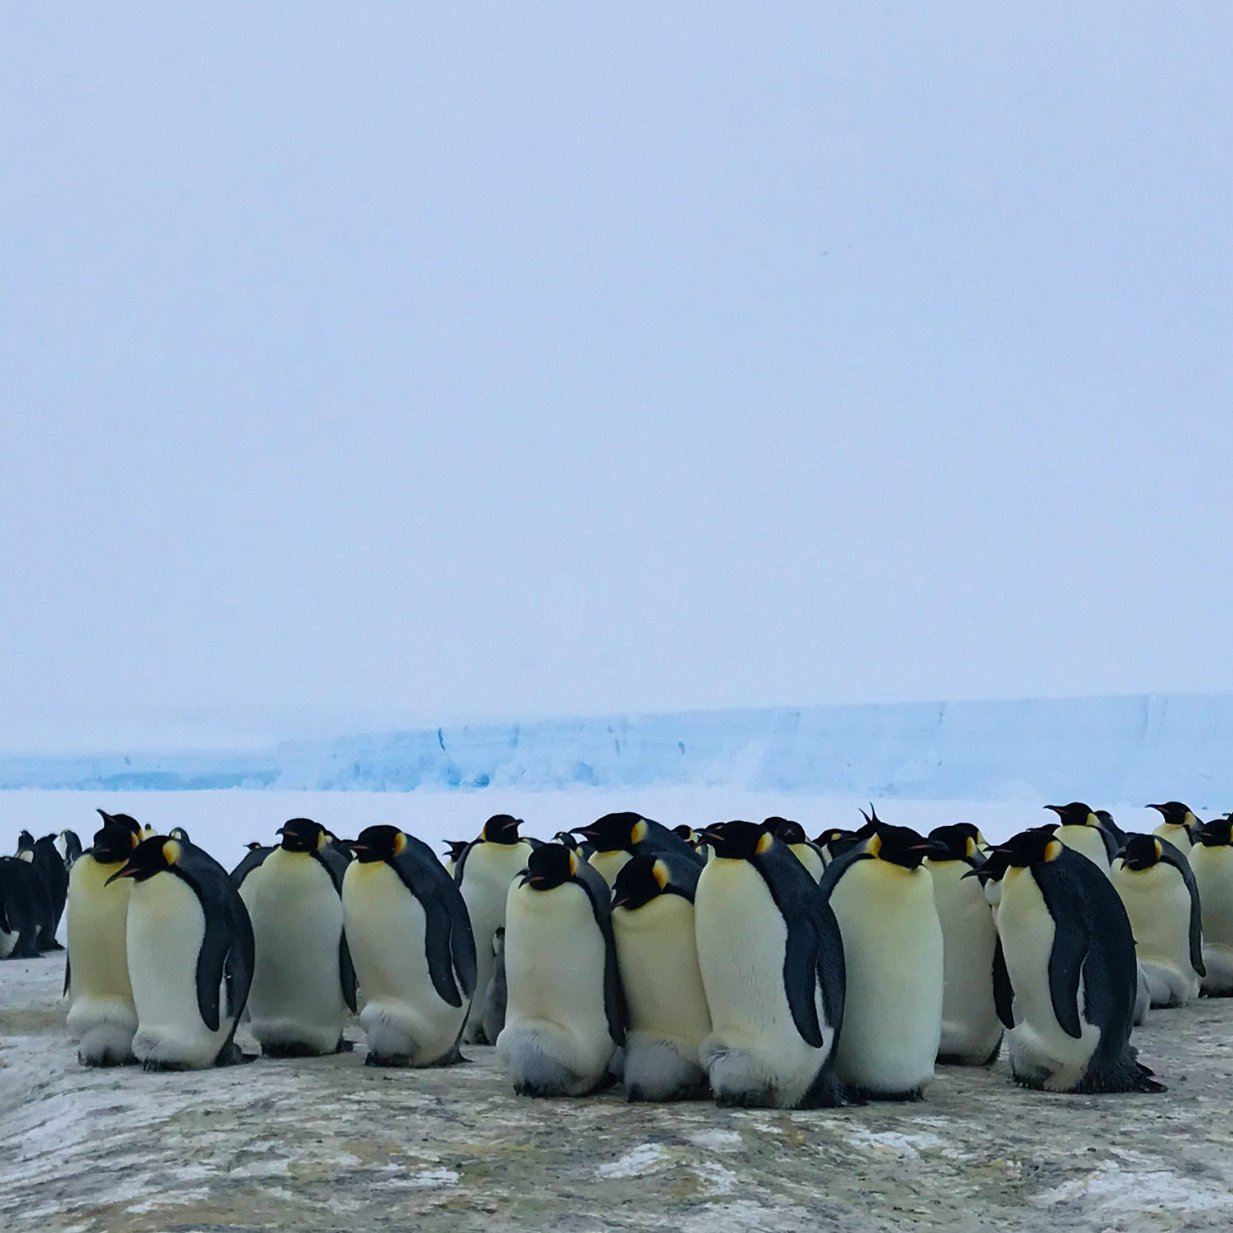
(639, 832)
(400, 844)
(764, 843)
(659, 871)
(573, 864)
(1159, 849)
(1053, 849)
(970, 847)
(874, 846)
(171, 851)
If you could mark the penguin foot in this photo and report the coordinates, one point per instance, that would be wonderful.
(694, 1091)
(392, 1060)
(345, 1045)
(290, 1048)
(232, 1055)
(912, 1095)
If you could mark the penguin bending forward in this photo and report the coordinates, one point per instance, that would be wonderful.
(565, 1013)
(618, 836)
(1068, 970)
(772, 967)
(414, 953)
(190, 956)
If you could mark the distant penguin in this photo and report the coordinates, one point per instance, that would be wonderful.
(495, 999)
(1211, 859)
(657, 953)
(484, 872)
(24, 907)
(1158, 890)
(793, 835)
(617, 836)
(772, 968)
(68, 844)
(1105, 818)
(834, 842)
(1068, 969)
(190, 956)
(102, 1016)
(49, 866)
(971, 1030)
(413, 948)
(303, 981)
(892, 946)
(1178, 825)
(565, 1013)
(454, 849)
(255, 854)
(1079, 829)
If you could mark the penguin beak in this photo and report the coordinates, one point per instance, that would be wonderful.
(129, 871)
(282, 830)
(356, 847)
(971, 873)
(587, 832)
(1057, 809)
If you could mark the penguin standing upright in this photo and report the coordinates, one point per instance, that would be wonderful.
(657, 953)
(49, 866)
(971, 1030)
(255, 854)
(1178, 825)
(102, 1016)
(772, 967)
(24, 906)
(565, 1014)
(454, 849)
(68, 844)
(303, 982)
(892, 947)
(1068, 970)
(1158, 890)
(1080, 828)
(1211, 859)
(618, 836)
(484, 871)
(793, 835)
(414, 953)
(190, 956)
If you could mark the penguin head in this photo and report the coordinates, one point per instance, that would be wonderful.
(301, 835)
(1029, 847)
(253, 845)
(614, 832)
(640, 880)
(738, 840)
(549, 866)
(1141, 852)
(498, 940)
(567, 839)
(1075, 814)
(898, 845)
(119, 819)
(1105, 818)
(113, 844)
(785, 830)
(836, 841)
(149, 858)
(1218, 833)
(687, 833)
(456, 847)
(992, 870)
(501, 828)
(1175, 813)
(959, 841)
(378, 843)
(25, 841)
(178, 832)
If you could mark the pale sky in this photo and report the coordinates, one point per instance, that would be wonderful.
(384, 364)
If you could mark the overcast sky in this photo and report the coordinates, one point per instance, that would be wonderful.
(389, 364)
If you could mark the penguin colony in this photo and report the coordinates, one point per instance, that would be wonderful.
(744, 962)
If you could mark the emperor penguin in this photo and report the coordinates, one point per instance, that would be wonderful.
(1212, 861)
(303, 983)
(190, 956)
(657, 954)
(585, 850)
(618, 836)
(834, 842)
(793, 835)
(1158, 890)
(414, 952)
(49, 866)
(24, 904)
(772, 967)
(565, 1013)
(454, 849)
(1080, 829)
(68, 844)
(1178, 824)
(1068, 968)
(971, 1029)
(102, 1016)
(254, 855)
(484, 871)
(892, 945)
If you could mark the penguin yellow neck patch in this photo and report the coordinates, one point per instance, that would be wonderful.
(1053, 849)
(639, 832)
(659, 871)
(171, 851)
(764, 843)
(400, 844)
(874, 846)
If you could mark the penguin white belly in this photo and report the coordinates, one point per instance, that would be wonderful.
(892, 946)
(1158, 904)
(742, 941)
(296, 996)
(101, 1014)
(166, 926)
(1039, 1047)
(487, 873)
(404, 1017)
(609, 864)
(1178, 836)
(971, 1030)
(1087, 841)
(1213, 874)
(555, 1016)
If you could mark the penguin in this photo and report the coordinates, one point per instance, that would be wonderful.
(657, 956)
(49, 867)
(303, 982)
(585, 850)
(1158, 890)
(565, 1012)
(413, 948)
(484, 871)
(1105, 818)
(1177, 825)
(1211, 859)
(455, 848)
(971, 1029)
(892, 946)
(793, 835)
(1079, 828)
(190, 956)
(1067, 968)
(68, 844)
(255, 854)
(772, 967)
(24, 905)
(834, 842)
(617, 836)
(687, 833)
(102, 1015)
(496, 998)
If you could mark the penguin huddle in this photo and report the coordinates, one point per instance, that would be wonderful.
(742, 962)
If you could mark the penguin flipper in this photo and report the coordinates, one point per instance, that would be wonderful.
(1070, 947)
(1003, 990)
(67, 972)
(426, 879)
(346, 973)
(462, 940)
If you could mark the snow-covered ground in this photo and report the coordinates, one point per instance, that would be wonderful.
(224, 821)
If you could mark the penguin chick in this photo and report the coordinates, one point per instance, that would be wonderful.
(497, 997)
